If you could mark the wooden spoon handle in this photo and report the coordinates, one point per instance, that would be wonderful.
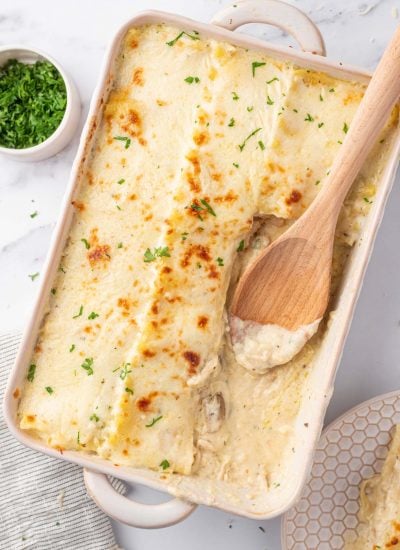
(379, 99)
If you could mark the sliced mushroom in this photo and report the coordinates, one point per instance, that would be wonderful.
(214, 411)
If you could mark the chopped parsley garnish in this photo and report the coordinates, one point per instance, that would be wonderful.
(78, 314)
(162, 251)
(321, 98)
(78, 438)
(220, 261)
(366, 199)
(295, 111)
(198, 265)
(53, 291)
(31, 372)
(94, 417)
(241, 246)
(340, 142)
(249, 109)
(253, 133)
(183, 33)
(61, 269)
(119, 245)
(309, 118)
(184, 236)
(71, 349)
(345, 128)
(317, 182)
(320, 124)
(33, 276)
(270, 101)
(261, 145)
(255, 66)
(231, 122)
(191, 79)
(125, 370)
(121, 181)
(235, 164)
(49, 389)
(118, 206)
(235, 97)
(273, 80)
(156, 419)
(126, 139)
(208, 207)
(164, 464)
(34, 214)
(86, 243)
(93, 315)
(198, 209)
(129, 390)
(332, 90)
(33, 103)
(204, 208)
(87, 365)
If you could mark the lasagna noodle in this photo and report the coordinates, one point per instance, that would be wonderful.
(197, 138)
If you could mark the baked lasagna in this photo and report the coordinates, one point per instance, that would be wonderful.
(205, 153)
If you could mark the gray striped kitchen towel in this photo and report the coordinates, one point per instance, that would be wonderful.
(43, 501)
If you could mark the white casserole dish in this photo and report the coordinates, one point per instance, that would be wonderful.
(320, 384)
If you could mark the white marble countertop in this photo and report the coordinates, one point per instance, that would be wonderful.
(76, 34)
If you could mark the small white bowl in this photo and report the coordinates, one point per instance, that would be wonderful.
(68, 125)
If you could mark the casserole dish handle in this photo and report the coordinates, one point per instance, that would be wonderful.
(276, 13)
(135, 514)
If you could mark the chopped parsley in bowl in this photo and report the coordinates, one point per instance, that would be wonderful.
(39, 104)
(33, 100)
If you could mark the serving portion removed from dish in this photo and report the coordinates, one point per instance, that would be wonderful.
(379, 513)
(205, 154)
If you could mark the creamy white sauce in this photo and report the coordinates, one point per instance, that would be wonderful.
(259, 347)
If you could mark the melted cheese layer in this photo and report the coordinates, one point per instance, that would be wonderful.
(201, 159)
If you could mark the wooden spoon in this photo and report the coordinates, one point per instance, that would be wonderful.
(288, 284)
